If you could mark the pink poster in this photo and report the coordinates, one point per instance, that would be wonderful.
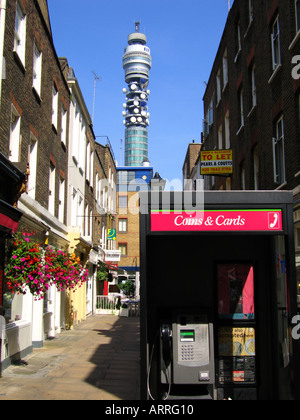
(236, 291)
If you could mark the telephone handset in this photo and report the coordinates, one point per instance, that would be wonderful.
(166, 337)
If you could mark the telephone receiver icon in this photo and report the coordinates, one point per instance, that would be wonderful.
(272, 225)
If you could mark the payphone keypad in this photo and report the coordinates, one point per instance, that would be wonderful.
(187, 352)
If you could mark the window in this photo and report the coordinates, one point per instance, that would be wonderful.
(51, 204)
(123, 199)
(63, 126)
(20, 33)
(243, 176)
(297, 237)
(275, 40)
(98, 190)
(279, 153)
(297, 14)
(32, 166)
(253, 87)
(227, 131)
(210, 116)
(15, 140)
(219, 87)
(61, 206)
(238, 41)
(92, 169)
(256, 168)
(37, 68)
(90, 223)
(85, 223)
(123, 225)
(250, 11)
(74, 137)
(241, 108)
(54, 105)
(82, 144)
(123, 249)
(220, 137)
(225, 69)
(74, 208)
(81, 219)
(88, 161)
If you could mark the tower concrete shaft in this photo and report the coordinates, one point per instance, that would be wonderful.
(137, 64)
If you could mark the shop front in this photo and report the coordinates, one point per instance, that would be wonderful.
(218, 297)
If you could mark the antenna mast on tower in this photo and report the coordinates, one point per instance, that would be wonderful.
(96, 78)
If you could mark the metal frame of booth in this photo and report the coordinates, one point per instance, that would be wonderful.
(180, 257)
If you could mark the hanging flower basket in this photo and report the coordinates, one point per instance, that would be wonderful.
(29, 267)
(24, 268)
(64, 270)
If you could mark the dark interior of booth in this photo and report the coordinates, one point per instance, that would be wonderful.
(182, 273)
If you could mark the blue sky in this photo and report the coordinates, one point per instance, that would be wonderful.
(183, 36)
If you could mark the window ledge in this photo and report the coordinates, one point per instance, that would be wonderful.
(240, 129)
(36, 95)
(19, 62)
(252, 110)
(249, 27)
(225, 86)
(281, 186)
(295, 40)
(275, 72)
(17, 324)
(237, 55)
(54, 128)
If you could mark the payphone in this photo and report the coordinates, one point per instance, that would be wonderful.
(187, 351)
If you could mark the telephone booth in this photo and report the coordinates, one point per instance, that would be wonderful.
(218, 296)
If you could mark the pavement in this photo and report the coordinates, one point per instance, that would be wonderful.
(98, 360)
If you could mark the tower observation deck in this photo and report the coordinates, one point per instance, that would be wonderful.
(137, 64)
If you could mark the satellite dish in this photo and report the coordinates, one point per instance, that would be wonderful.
(140, 119)
(124, 113)
(143, 96)
(124, 90)
(133, 119)
(143, 113)
(143, 103)
(133, 87)
(136, 103)
(136, 111)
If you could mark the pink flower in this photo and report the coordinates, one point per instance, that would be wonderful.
(15, 257)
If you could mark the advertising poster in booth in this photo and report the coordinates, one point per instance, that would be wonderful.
(237, 349)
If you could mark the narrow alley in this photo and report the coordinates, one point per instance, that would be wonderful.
(98, 360)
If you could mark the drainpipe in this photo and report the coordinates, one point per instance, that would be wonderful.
(2, 33)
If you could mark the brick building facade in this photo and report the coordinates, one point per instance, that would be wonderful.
(58, 177)
(252, 100)
(251, 91)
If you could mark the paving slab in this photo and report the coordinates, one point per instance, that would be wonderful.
(98, 360)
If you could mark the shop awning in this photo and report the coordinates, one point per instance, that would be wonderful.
(7, 222)
(9, 216)
(114, 268)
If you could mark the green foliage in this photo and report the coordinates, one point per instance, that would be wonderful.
(102, 274)
(128, 287)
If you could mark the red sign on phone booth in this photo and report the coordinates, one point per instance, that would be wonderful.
(217, 221)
